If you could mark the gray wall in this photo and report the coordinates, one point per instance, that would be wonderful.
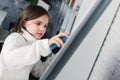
(80, 64)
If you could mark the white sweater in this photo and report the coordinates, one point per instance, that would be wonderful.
(21, 54)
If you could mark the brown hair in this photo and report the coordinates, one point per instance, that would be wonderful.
(29, 13)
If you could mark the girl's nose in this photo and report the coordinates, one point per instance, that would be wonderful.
(41, 28)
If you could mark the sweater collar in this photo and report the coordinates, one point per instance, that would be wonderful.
(28, 36)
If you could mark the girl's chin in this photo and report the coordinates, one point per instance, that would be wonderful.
(38, 37)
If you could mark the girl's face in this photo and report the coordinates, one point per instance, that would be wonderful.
(37, 27)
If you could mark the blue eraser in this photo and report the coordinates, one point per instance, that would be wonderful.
(55, 46)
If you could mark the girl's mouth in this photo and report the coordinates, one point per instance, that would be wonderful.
(39, 34)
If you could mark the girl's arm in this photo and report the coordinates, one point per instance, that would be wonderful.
(17, 52)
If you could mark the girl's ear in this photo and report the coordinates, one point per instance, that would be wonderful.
(24, 24)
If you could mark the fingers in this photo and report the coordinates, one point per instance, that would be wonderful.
(60, 35)
(57, 39)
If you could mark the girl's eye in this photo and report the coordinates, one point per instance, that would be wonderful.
(38, 24)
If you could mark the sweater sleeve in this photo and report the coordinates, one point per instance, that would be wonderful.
(17, 52)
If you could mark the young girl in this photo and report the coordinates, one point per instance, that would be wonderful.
(22, 49)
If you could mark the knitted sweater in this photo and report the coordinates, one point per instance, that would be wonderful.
(21, 54)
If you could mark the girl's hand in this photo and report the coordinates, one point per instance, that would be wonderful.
(57, 39)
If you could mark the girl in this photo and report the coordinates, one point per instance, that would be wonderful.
(22, 49)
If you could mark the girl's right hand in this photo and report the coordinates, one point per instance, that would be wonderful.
(57, 39)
